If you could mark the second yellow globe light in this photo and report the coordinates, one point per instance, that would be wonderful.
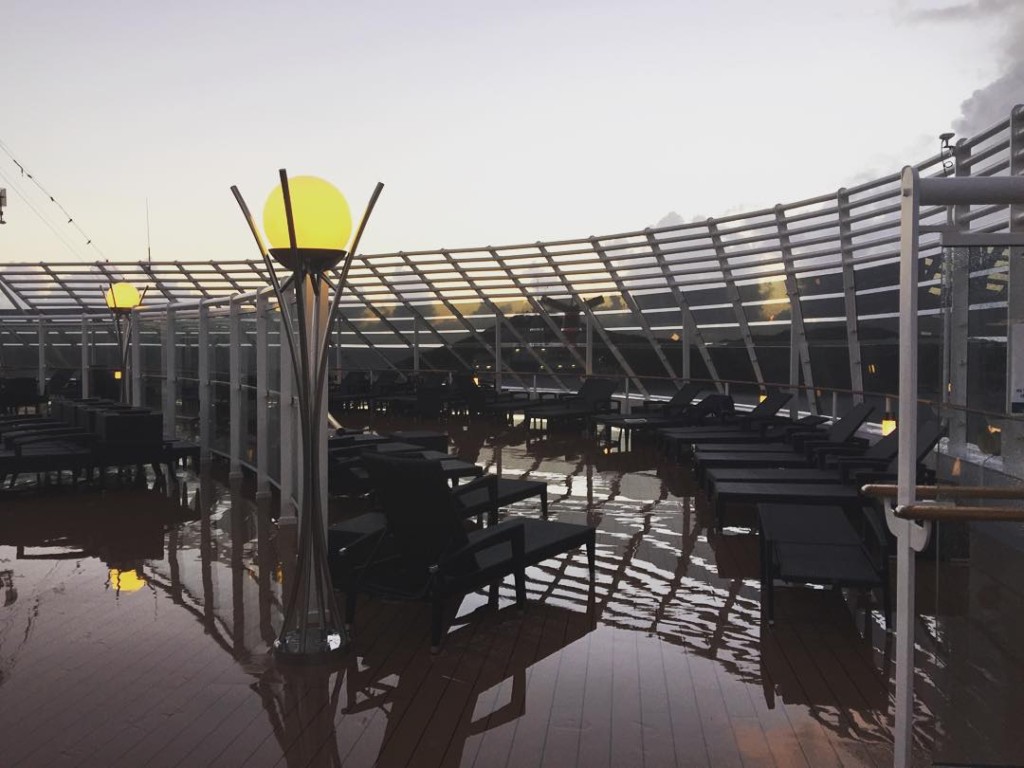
(322, 220)
(122, 297)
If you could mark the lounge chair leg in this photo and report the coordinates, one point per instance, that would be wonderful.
(591, 556)
(544, 503)
(436, 618)
(350, 606)
(520, 577)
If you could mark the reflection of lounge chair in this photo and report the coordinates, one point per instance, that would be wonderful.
(425, 552)
(593, 397)
(388, 676)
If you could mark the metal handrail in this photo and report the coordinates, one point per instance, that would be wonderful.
(939, 513)
(887, 491)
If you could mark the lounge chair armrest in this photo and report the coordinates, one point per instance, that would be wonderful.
(26, 438)
(512, 532)
(850, 467)
(490, 482)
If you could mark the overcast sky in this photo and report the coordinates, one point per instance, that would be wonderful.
(488, 122)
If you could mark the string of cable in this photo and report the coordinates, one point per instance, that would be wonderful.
(25, 173)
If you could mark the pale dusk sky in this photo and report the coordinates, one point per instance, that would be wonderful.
(488, 123)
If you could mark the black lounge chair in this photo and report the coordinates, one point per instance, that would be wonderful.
(426, 553)
(843, 490)
(676, 444)
(762, 415)
(805, 447)
(819, 545)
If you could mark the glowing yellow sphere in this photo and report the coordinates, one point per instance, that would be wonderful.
(321, 214)
(122, 296)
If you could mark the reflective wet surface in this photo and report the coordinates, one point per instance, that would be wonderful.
(135, 625)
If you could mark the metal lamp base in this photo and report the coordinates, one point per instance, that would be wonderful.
(310, 647)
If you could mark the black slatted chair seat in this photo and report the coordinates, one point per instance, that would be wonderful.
(817, 544)
(825, 563)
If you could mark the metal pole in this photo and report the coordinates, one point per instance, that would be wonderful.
(235, 391)
(170, 361)
(262, 400)
(85, 358)
(41, 360)
(204, 383)
(136, 355)
(289, 449)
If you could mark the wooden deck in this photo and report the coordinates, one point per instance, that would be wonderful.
(663, 662)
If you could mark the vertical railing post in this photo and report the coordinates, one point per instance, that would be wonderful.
(794, 377)
(416, 344)
(797, 331)
(170, 361)
(41, 358)
(136, 353)
(86, 358)
(235, 390)
(589, 368)
(262, 399)
(498, 364)
(685, 342)
(733, 293)
(203, 352)
(850, 294)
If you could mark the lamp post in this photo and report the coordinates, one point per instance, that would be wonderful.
(121, 298)
(308, 224)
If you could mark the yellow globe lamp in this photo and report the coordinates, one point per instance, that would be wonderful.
(322, 220)
(122, 297)
(888, 423)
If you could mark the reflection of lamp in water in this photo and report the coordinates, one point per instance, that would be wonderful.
(121, 298)
(130, 580)
(308, 223)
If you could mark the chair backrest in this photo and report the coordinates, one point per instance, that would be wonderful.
(594, 391)
(417, 502)
(684, 396)
(847, 426)
(713, 405)
(770, 405)
(886, 448)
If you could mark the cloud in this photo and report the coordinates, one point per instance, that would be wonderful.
(969, 11)
(991, 103)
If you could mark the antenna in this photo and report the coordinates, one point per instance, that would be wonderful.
(149, 249)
